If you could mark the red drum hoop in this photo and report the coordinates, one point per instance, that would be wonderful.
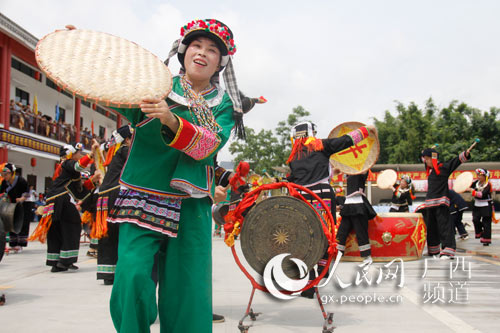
(250, 198)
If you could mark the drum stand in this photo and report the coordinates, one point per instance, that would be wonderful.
(327, 316)
(249, 313)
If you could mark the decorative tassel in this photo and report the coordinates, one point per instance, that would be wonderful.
(41, 230)
(231, 232)
(43, 226)
(117, 146)
(313, 144)
(435, 163)
(58, 171)
(109, 156)
(310, 143)
(237, 180)
(298, 144)
(87, 217)
(100, 227)
(239, 128)
(493, 217)
(370, 174)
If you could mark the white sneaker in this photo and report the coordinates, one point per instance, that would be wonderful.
(445, 257)
(366, 262)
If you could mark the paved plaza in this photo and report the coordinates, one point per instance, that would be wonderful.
(40, 301)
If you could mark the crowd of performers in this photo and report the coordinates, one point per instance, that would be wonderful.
(442, 210)
(149, 201)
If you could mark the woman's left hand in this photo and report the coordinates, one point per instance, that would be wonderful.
(158, 108)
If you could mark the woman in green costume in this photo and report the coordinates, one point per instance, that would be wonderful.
(167, 187)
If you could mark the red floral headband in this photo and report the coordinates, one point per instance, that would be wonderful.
(214, 27)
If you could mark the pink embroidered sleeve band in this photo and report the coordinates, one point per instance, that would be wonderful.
(477, 194)
(358, 135)
(462, 157)
(195, 141)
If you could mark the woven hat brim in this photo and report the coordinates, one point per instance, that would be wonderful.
(102, 68)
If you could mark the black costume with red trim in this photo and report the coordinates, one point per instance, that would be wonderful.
(401, 199)
(107, 254)
(482, 211)
(440, 231)
(355, 213)
(310, 167)
(61, 222)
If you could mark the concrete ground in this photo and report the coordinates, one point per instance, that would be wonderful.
(40, 301)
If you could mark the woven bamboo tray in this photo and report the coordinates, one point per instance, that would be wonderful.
(102, 68)
(356, 159)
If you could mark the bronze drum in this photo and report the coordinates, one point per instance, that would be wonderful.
(282, 224)
(12, 215)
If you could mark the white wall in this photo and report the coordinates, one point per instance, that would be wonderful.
(44, 167)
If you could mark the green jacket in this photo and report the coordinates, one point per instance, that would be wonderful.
(176, 164)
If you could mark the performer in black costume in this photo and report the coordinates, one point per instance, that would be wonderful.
(310, 167)
(356, 212)
(61, 223)
(107, 254)
(16, 189)
(483, 206)
(402, 195)
(440, 232)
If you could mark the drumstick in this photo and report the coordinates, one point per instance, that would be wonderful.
(473, 145)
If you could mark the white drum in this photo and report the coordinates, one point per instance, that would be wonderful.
(386, 179)
(463, 182)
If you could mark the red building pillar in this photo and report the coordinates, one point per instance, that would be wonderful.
(77, 119)
(5, 59)
(118, 120)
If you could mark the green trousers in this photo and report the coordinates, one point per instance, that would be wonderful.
(184, 275)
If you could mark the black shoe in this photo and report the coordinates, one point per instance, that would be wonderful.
(56, 269)
(108, 282)
(215, 318)
(64, 267)
(309, 293)
(486, 244)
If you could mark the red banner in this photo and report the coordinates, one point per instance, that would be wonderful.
(420, 178)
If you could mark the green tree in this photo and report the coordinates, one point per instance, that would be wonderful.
(260, 150)
(453, 128)
(266, 149)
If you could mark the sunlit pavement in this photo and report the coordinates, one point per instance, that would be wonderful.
(40, 301)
